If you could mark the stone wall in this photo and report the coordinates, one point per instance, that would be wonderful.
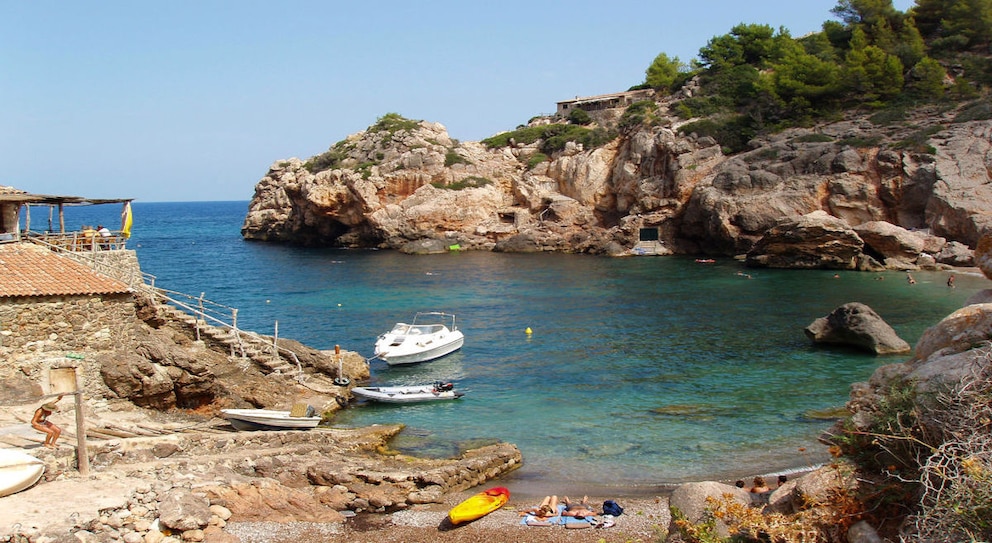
(37, 333)
(66, 323)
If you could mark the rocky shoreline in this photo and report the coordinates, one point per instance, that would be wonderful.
(188, 484)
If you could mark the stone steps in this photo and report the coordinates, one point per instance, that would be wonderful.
(253, 347)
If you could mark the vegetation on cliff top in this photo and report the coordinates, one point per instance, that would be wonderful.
(756, 79)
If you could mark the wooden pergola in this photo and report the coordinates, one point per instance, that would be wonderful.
(11, 204)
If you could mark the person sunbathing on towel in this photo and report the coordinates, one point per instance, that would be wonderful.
(578, 510)
(546, 509)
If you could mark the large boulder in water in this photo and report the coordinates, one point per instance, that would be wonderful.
(857, 325)
(815, 240)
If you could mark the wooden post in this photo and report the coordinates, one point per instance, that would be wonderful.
(82, 455)
(63, 381)
(275, 343)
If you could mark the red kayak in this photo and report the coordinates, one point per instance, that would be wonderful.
(479, 505)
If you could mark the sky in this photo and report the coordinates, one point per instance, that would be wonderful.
(186, 100)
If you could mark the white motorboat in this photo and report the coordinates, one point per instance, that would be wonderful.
(409, 394)
(18, 471)
(264, 419)
(420, 341)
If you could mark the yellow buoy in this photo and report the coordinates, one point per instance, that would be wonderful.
(528, 331)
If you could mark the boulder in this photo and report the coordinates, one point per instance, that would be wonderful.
(426, 247)
(983, 255)
(862, 532)
(956, 333)
(815, 240)
(956, 254)
(690, 500)
(820, 486)
(857, 325)
(181, 510)
(135, 378)
(896, 245)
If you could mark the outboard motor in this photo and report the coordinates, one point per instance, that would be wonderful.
(443, 387)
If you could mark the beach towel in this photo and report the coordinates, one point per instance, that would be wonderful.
(559, 520)
(534, 520)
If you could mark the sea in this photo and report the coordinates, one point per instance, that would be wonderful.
(639, 373)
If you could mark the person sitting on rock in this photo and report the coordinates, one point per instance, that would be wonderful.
(41, 423)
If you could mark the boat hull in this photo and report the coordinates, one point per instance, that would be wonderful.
(263, 419)
(479, 505)
(18, 471)
(411, 394)
(398, 357)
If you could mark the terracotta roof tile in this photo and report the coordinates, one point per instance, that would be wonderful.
(30, 270)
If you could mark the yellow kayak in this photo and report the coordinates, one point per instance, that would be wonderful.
(479, 505)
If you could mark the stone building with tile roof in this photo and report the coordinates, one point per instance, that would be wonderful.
(50, 302)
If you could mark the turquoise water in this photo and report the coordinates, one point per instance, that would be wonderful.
(640, 372)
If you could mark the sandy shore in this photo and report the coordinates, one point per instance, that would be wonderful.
(644, 520)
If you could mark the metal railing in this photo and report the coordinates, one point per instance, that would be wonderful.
(81, 241)
(202, 310)
(215, 314)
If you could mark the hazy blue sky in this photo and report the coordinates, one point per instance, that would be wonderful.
(193, 100)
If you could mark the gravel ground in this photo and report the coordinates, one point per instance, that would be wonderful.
(644, 520)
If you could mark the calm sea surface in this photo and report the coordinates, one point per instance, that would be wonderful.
(640, 372)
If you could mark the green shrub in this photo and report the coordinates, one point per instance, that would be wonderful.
(467, 183)
(365, 168)
(580, 117)
(642, 113)
(888, 116)
(555, 140)
(451, 158)
(975, 111)
(525, 135)
(330, 159)
(919, 141)
(872, 141)
(814, 138)
(732, 133)
(553, 137)
(702, 106)
(393, 123)
(536, 159)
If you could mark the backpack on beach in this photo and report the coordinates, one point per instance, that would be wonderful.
(612, 508)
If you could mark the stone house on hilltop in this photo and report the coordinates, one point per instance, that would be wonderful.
(593, 104)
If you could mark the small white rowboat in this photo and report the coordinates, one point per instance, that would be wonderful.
(18, 471)
(264, 419)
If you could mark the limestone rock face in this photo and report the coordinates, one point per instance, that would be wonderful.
(382, 188)
(983, 255)
(815, 240)
(895, 245)
(857, 325)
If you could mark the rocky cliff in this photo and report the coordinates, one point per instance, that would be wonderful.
(905, 194)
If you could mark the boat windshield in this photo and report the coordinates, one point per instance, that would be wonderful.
(400, 329)
(421, 329)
